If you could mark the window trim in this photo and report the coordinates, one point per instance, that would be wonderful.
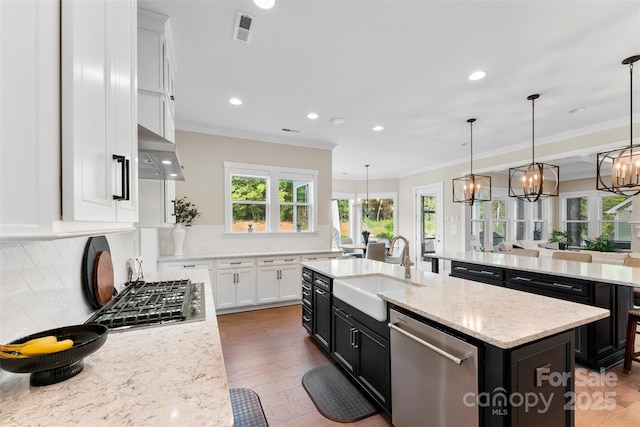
(594, 219)
(273, 174)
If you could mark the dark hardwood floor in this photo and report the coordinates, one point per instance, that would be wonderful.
(269, 351)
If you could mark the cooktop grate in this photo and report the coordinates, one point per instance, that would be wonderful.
(149, 303)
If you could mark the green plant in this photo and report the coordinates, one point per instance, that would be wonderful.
(600, 244)
(560, 237)
(186, 212)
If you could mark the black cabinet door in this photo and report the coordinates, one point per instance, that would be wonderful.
(343, 340)
(322, 317)
(373, 364)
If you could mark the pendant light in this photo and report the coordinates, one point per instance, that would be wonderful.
(618, 171)
(471, 188)
(534, 181)
(365, 209)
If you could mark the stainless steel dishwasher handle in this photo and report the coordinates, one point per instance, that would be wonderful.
(430, 346)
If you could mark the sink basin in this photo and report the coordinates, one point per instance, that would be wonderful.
(362, 293)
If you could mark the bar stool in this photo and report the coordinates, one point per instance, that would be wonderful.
(629, 352)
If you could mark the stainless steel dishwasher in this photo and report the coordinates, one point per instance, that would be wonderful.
(431, 372)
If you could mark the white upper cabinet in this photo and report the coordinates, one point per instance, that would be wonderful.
(156, 65)
(99, 111)
(90, 48)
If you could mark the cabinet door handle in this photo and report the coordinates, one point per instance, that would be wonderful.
(355, 338)
(562, 285)
(173, 98)
(173, 211)
(320, 292)
(351, 331)
(124, 178)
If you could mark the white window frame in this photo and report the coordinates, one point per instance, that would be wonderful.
(594, 210)
(356, 201)
(273, 175)
(528, 220)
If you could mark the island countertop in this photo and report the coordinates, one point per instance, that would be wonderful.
(162, 375)
(594, 271)
(499, 316)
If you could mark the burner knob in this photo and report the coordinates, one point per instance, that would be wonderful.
(195, 307)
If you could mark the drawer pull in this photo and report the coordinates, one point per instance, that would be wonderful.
(306, 293)
(320, 292)
(289, 260)
(563, 286)
(306, 319)
(487, 272)
(236, 263)
(189, 266)
(304, 301)
(311, 259)
(524, 279)
(268, 260)
(461, 268)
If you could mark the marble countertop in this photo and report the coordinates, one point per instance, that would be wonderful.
(202, 256)
(595, 271)
(502, 317)
(164, 375)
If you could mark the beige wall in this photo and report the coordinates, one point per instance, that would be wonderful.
(360, 187)
(203, 157)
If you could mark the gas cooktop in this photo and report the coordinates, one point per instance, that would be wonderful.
(152, 303)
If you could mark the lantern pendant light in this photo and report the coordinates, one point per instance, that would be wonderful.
(471, 188)
(534, 181)
(618, 171)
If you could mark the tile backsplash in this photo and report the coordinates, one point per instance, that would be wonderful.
(41, 285)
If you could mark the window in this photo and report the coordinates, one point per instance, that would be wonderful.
(505, 219)
(615, 214)
(380, 222)
(576, 214)
(591, 214)
(350, 214)
(269, 199)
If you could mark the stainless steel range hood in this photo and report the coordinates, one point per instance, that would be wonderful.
(157, 157)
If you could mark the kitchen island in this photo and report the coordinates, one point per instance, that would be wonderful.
(162, 375)
(599, 345)
(520, 337)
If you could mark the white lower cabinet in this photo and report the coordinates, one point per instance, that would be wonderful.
(235, 283)
(278, 279)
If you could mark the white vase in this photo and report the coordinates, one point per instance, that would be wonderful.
(177, 234)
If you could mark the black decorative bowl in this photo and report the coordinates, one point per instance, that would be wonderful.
(52, 368)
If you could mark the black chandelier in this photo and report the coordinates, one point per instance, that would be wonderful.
(471, 188)
(618, 171)
(534, 181)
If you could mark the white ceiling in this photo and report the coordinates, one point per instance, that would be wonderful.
(403, 65)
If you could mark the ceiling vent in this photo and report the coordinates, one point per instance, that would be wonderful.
(242, 29)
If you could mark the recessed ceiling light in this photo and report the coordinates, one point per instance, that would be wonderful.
(477, 75)
(235, 101)
(166, 162)
(312, 116)
(265, 4)
(577, 110)
(378, 128)
(337, 120)
(173, 174)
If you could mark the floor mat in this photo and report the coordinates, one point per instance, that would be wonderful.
(335, 395)
(247, 409)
